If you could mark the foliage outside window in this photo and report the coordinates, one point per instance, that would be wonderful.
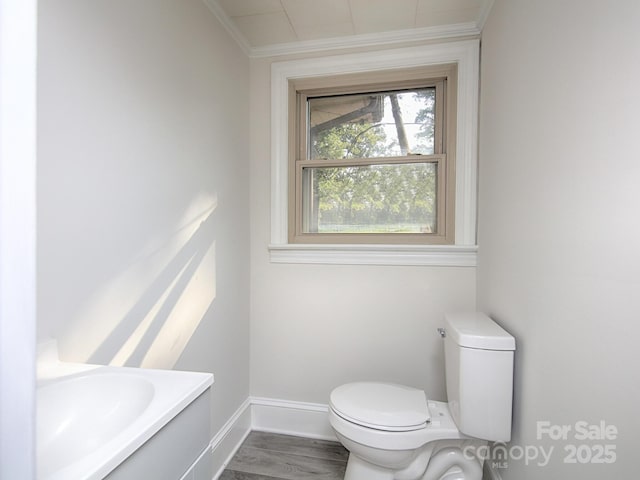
(373, 159)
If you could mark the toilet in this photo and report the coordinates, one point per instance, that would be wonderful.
(394, 432)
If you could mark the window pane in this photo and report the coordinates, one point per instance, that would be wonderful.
(388, 198)
(386, 124)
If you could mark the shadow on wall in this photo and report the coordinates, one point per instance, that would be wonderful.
(146, 316)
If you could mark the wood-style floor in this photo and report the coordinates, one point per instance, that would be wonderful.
(267, 456)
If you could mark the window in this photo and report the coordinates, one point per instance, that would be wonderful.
(358, 69)
(373, 158)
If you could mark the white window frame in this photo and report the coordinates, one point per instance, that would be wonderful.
(463, 253)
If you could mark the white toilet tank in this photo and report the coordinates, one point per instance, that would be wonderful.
(479, 374)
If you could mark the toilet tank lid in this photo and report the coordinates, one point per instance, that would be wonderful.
(477, 330)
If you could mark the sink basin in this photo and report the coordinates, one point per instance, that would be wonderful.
(78, 415)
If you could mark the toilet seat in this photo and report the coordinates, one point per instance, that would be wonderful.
(381, 406)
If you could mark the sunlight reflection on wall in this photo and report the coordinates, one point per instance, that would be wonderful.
(145, 316)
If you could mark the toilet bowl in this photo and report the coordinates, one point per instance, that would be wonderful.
(393, 432)
(398, 441)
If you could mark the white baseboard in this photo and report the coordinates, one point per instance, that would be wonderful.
(268, 415)
(302, 419)
(227, 441)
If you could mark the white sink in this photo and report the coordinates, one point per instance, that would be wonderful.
(78, 415)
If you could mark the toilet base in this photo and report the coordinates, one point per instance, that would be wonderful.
(358, 469)
(448, 463)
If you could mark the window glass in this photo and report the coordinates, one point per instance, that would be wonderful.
(383, 124)
(380, 198)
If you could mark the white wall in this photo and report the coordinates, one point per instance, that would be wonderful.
(18, 32)
(314, 327)
(142, 189)
(558, 223)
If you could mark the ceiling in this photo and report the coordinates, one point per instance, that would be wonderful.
(261, 25)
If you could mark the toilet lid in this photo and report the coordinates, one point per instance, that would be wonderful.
(383, 406)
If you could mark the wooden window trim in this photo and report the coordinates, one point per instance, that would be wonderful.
(419, 77)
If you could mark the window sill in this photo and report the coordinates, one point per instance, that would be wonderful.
(413, 255)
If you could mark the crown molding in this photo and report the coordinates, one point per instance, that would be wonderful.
(369, 40)
(229, 26)
(379, 39)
